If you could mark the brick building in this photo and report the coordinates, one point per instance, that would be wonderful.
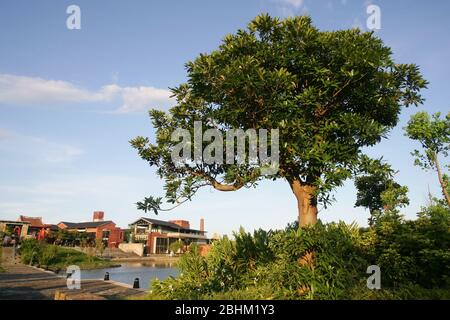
(37, 229)
(158, 235)
(20, 229)
(98, 228)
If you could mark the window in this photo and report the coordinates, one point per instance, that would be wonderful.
(105, 234)
(161, 245)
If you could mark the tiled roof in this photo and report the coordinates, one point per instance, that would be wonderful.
(83, 225)
(14, 222)
(52, 227)
(165, 224)
(34, 221)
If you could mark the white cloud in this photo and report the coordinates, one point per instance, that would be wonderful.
(291, 7)
(295, 7)
(294, 3)
(34, 91)
(19, 90)
(74, 186)
(143, 98)
(75, 197)
(35, 150)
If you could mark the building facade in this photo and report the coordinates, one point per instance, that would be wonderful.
(18, 228)
(37, 229)
(158, 235)
(106, 231)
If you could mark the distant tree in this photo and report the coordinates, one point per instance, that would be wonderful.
(128, 236)
(99, 246)
(378, 191)
(372, 183)
(329, 93)
(433, 133)
(176, 246)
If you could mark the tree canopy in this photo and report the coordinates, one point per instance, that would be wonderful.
(330, 93)
(378, 191)
(433, 133)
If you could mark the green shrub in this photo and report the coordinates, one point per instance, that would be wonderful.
(338, 261)
(30, 250)
(56, 258)
(413, 256)
(48, 254)
(415, 252)
(406, 292)
(265, 266)
(176, 246)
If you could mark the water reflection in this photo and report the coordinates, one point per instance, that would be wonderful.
(127, 272)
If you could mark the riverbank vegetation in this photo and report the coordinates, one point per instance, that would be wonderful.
(56, 258)
(413, 257)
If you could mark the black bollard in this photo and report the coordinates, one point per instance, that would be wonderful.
(106, 278)
(136, 283)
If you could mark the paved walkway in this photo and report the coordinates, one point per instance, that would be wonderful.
(22, 282)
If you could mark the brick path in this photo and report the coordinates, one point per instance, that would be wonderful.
(22, 282)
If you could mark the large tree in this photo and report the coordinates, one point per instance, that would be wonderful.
(433, 133)
(329, 93)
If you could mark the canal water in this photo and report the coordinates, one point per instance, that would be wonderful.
(127, 272)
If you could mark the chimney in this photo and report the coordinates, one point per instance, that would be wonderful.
(181, 223)
(202, 224)
(98, 216)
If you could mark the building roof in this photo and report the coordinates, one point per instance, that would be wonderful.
(14, 222)
(165, 224)
(34, 221)
(52, 227)
(83, 225)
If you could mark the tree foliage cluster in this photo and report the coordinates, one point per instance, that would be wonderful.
(329, 93)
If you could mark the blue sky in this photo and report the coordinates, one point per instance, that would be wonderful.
(70, 100)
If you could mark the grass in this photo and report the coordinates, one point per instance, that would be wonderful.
(55, 258)
(66, 257)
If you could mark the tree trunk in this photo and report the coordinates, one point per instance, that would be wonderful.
(306, 203)
(441, 180)
(307, 215)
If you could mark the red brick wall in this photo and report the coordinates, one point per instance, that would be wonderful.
(202, 224)
(115, 234)
(181, 223)
(98, 216)
(115, 237)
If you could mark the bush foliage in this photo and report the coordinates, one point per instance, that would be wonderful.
(413, 256)
(55, 258)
